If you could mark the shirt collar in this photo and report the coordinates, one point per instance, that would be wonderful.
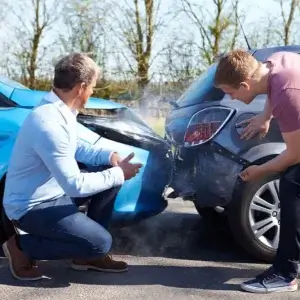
(65, 110)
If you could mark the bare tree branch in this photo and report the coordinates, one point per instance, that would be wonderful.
(30, 35)
(217, 30)
(136, 30)
(190, 11)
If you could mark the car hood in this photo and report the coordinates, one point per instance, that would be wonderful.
(122, 127)
(119, 123)
(30, 98)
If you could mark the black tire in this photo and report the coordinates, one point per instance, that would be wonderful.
(238, 220)
(3, 235)
(209, 214)
(6, 227)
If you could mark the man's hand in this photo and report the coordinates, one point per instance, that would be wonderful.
(253, 172)
(257, 124)
(129, 169)
(115, 159)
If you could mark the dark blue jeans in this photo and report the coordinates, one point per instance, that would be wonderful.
(288, 253)
(58, 230)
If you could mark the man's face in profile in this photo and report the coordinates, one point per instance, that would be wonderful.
(243, 92)
(85, 93)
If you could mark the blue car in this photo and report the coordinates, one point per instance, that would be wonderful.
(118, 129)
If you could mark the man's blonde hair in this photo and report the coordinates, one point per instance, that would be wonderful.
(236, 67)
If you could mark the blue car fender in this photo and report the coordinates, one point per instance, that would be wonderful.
(5, 153)
(263, 151)
(11, 120)
(141, 196)
(257, 155)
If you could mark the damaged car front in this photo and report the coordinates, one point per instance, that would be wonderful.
(104, 124)
(122, 130)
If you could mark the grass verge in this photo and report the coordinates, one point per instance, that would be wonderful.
(157, 124)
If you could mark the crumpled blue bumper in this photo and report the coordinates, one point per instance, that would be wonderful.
(142, 196)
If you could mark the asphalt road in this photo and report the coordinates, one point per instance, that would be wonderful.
(175, 255)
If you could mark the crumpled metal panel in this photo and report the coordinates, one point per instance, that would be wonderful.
(208, 174)
(216, 176)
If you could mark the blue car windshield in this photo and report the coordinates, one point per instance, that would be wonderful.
(12, 83)
(202, 90)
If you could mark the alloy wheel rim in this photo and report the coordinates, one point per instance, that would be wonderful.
(264, 214)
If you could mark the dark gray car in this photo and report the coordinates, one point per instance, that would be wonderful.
(209, 155)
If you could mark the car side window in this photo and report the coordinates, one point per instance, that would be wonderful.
(4, 101)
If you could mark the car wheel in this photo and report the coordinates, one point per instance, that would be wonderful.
(254, 217)
(3, 236)
(6, 228)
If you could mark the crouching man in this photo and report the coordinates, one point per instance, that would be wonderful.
(44, 185)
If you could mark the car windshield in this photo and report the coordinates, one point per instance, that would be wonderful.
(202, 90)
(12, 83)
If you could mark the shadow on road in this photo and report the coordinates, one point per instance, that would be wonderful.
(204, 278)
(180, 236)
(170, 235)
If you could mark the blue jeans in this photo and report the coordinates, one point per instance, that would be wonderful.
(58, 230)
(288, 252)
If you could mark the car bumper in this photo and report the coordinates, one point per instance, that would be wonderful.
(142, 196)
(206, 174)
(122, 219)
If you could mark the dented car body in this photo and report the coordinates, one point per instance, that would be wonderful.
(210, 154)
(120, 130)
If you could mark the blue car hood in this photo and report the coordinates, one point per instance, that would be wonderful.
(30, 98)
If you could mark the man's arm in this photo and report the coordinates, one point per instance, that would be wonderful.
(267, 112)
(257, 124)
(287, 113)
(288, 157)
(91, 155)
(52, 144)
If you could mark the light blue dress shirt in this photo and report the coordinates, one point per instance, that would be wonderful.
(43, 164)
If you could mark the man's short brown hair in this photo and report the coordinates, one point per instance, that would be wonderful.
(236, 67)
(74, 68)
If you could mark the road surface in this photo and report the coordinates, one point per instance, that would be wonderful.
(175, 255)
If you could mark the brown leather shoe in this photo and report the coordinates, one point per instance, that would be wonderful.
(104, 264)
(21, 266)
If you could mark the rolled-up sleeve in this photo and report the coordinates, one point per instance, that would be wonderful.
(52, 144)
